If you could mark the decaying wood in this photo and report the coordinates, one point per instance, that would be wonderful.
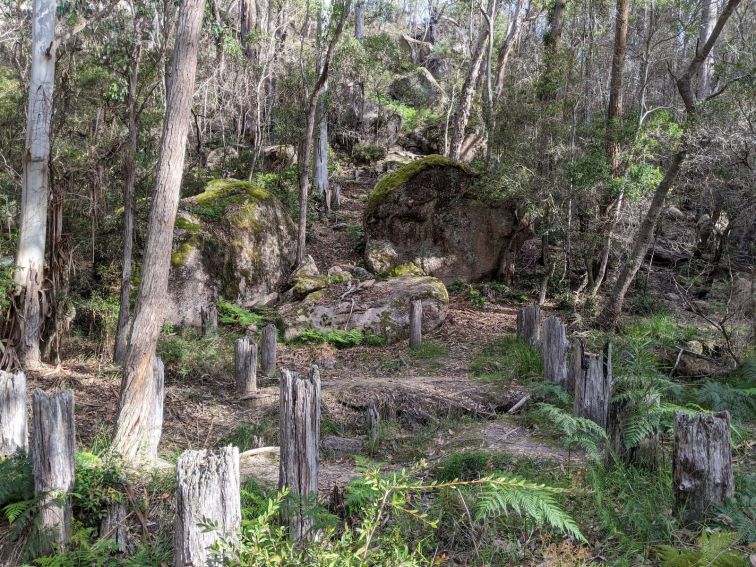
(529, 325)
(113, 525)
(207, 492)
(299, 439)
(593, 387)
(648, 451)
(702, 474)
(13, 434)
(268, 350)
(574, 363)
(53, 450)
(519, 405)
(373, 420)
(209, 319)
(156, 431)
(416, 323)
(245, 360)
(555, 346)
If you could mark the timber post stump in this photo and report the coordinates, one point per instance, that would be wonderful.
(245, 362)
(593, 387)
(416, 323)
(529, 325)
(268, 345)
(13, 433)
(554, 352)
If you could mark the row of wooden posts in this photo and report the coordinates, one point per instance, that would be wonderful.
(702, 454)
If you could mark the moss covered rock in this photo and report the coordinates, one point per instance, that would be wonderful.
(432, 215)
(418, 88)
(233, 240)
(378, 308)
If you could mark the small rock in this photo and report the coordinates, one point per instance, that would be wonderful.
(674, 213)
(361, 273)
(695, 346)
(343, 445)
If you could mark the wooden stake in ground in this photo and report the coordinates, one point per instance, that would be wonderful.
(207, 491)
(53, 450)
(299, 439)
(593, 387)
(245, 360)
(555, 346)
(416, 323)
(373, 421)
(529, 325)
(575, 362)
(209, 319)
(702, 475)
(13, 434)
(268, 349)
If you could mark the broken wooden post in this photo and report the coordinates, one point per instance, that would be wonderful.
(702, 475)
(245, 360)
(574, 363)
(373, 421)
(299, 438)
(529, 325)
(268, 349)
(646, 452)
(156, 431)
(555, 346)
(207, 492)
(113, 525)
(13, 435)
(335, 194)
(53, 451)
(416, 323)
(593, 387)
(209, 319)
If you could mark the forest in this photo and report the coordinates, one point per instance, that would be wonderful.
(377, 283)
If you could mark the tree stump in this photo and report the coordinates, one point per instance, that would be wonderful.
(702, 475)
(207, 492)
(209, 319)
(555, 346)
(53, 450)
(416, 323)
(574, 363)
(529, 325)
(299, 439)
(645, 454)
(373, 421)
(156, 431)
(13, 434)
(245, 360)
(268, 350)
(593, 387)
(113, 525)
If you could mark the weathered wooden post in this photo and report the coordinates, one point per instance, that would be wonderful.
(646, 453)
(373, 421)
(555, 346)
(13, 434)
(53, 451)
(574, 363)
(299, 440)
(207, 491)
(702, 474)
(529, 325)
(156, 430)
(268, 349)
(593, 387)
(245, 360)
(209, 319)
(416, 323)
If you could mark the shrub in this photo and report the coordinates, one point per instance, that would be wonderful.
(506, 360)
(338, 338)
(368, 153)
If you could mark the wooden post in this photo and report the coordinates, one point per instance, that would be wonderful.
(245, 360)
(207, 491)
(335, 193)
(268, 349)
(702, 474)
(153, 441)
(529, 325)
(646, 453)
(209, 319)
(13, 434)
(113, 525)
(373, 421)
(574, 363)
(299, 440)
(416, 323)
(53, 450)
(593, 387)
(555, 346)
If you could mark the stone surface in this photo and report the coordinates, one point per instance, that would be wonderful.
(233, 240)
(418, 88)
(379, 308)
(429, 216)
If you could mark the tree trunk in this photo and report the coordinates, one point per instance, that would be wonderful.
(299, 440)
(529, 325)
(505, 50)
(708, 21)
(416, 323)
(268, 344)
(321, 154)
(13, 434)
(35, 188)
(245, 360)
(207, 491)
(574, 363)
(135, 422)
(702, 474)
(359, 19)
(555, 346)
(53, 451)
(593, 387)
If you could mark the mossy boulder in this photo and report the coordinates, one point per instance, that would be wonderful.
(376, 308)
(233, 240)
(433, 215)
(418, 88)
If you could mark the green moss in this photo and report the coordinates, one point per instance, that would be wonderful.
(220, 194)
(307, 284)
(408, 269)
(183, 224)
(179, 256)
(388, 183)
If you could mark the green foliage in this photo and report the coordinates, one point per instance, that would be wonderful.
(576, 432)
(191, 353)
(506, 360)
(98, 484)
(470, 465)
(739, 512)
(99, 315)
(660, 328)
(231, 314)
(220, 194)
(429, 350)
(413, 117)
(368, 153)
(338, 338)
(17, 481)
(713, 549)
(247, 435)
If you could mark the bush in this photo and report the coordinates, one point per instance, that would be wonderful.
(338, 338)
(506, 360)
(368, 153)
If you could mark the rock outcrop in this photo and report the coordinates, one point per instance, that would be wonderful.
(418, 88)
(375, 308)
(431, 217)
(233, 240)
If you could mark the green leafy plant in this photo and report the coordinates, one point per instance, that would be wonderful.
(231, 314)
(368, 153)
(713, 549)
(576, 432)
(338, 338)
(506, 360)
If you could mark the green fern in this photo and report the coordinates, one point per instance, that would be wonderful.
(17, 481)
(576, 432)
(713, 549)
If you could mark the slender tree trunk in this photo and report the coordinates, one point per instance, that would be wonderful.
(359, 19)
(122, 328)
(708, 21)
(134, 427)
(35, 191)
(505, 50)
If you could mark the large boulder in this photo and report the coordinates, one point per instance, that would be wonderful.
(376, 308)
(432, 215)
(233, 240)
(418, 88)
